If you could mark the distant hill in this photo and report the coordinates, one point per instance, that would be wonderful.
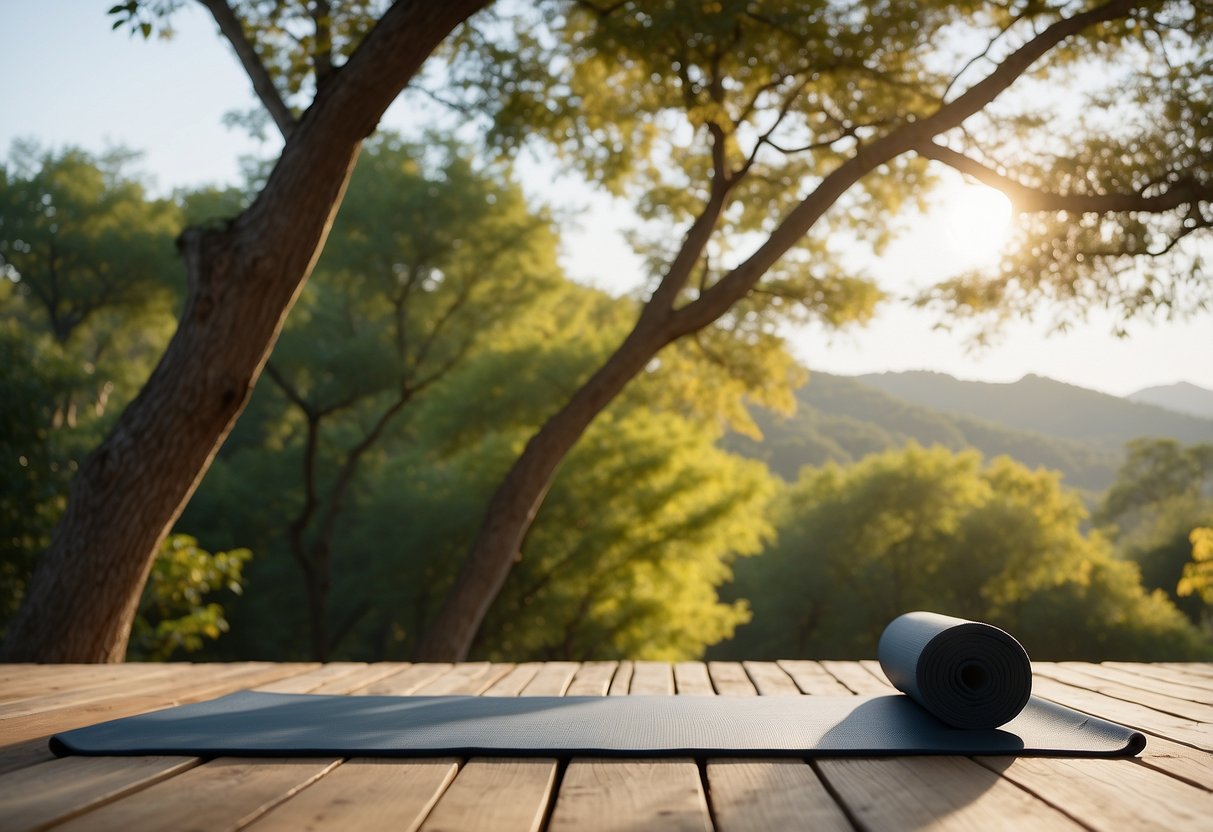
(841, 419)
(1182, 398)
(1045, 406)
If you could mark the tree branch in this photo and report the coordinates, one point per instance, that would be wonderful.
(1027, 199)
(322, 53)
(263, 84)
(289, 390)
(985, 53)
(733, 286)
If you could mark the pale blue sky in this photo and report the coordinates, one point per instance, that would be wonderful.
(70, 80)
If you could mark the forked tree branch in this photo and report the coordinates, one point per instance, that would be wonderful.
(263, 84)
(732, 287)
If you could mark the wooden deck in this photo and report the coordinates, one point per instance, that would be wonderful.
(1170, 787)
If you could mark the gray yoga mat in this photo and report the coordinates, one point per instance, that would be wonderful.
(920, 653)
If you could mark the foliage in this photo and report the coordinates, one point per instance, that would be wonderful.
(1161, 495)
(82, 241)
(652, 97)
(929, 529)
(1198, 575)
(294, 40)
(641, 526)
(33, 473)
(431, 256)
(1142, 127)
(636, 535)
(174, 614)
(85, 307)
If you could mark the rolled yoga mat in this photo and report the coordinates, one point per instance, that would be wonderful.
(954, 672)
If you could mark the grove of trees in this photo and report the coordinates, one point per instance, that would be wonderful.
(414, 367)
(454, 449)
(929, 528)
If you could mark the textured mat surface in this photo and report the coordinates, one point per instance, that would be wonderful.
(249, 723)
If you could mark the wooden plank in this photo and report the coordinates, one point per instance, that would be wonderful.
(512, 683)
(651, 678)
(1204, 669)
(813, 679)
(764, 795)
(78, 696)
(23, 670)
(194, 687)
(312, 679)
(39, 684)
(20, 674)
(691, 678)
(552, 680)
(358, 681)
(1182, 762)
(1110, 795)
(408, 680)
(365, 794)
(1132, 714)
(223, 794)
(935, 793)
(610, 795)
(496, 795)
(19, 755)
(730, 679)
(774, 795)
(1137, 681)
(1166, 674)
(521, 788)
(770, 679)
(1159, 702)
(873, 667)
(621, 682)
(592, 679)
(465, 678)
(858, 678)
(1162, 750)
(81, 688)
(54, 791)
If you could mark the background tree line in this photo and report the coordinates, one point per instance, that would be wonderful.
(417, 363)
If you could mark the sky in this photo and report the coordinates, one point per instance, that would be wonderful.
(69, 80)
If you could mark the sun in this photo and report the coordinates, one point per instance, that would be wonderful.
(975, 219)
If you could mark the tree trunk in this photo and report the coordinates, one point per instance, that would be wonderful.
(243, 279)
(514, 504)
(317, 603)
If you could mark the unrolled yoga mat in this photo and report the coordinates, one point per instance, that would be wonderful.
(969, 674)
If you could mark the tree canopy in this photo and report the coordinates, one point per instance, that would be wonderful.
(752, 136)
(930, 529)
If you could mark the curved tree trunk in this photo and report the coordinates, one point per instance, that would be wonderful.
(243, 280)
(516, 501)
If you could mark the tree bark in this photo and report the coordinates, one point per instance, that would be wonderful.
(242, 281)
(517, 499)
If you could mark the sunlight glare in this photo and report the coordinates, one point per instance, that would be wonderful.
(977, 220)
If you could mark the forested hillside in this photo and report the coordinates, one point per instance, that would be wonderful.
(1046, 406)
(841, 420)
